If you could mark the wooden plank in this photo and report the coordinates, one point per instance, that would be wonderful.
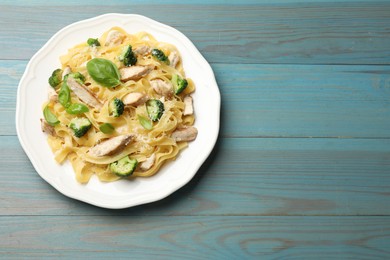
(305, 33)
(275, 100)
(304, 101)
(158, 2)
(171, 237)
(243, 176)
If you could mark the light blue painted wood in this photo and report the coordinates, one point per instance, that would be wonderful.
(243, 176)
(275, 100)
(319, 33)
(254, 198)
(167, 2)
(172, 237)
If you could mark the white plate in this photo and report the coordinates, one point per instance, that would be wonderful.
(32, 92)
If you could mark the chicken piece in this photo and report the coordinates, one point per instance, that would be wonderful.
(173, 59)
(134, 99)
(188, 106)
(111, 146)
(65, 72)
(142, 50)
(114, 38)
(146, 165)
(134, 72)
(83, 93)
(185, 134)
(162, 87)
(52, 95)
(46, 128)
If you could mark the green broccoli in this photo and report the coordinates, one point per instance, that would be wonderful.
(55, 78)
(179, 84)
(77, 76)
(160, 55)
(116, 107)
(155, 109)
(93, 42)
(124, 167)
(128, 56)
(80, 126)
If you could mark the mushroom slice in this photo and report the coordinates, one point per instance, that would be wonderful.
(162, 87)
(148, 163)
(142, 50)
(83, 93)
(188, 106)
(134, 72)
(185, 134)
(134, 99)
(173, 59)
(46, 128)
(111, 146)
(114, 38)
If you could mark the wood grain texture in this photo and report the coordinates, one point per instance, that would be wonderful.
(275, 100)
(288, 71)
(270, 176)
(195, 237)
(304, 33)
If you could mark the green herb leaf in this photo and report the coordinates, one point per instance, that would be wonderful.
(104, 72)
(77, 108)
(107, 128)
(145, 122)
(64, 95)
(93, 42)
(50, 118)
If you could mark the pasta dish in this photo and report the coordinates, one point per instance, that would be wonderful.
(120, 105)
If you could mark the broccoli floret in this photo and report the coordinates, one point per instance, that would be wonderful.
(155, 109)
(116, 107)
(80, 126)
(128, 56)
(179, 84)
(159, 55)
(93, 42)
(77, 76)
(124, 167)
(55, 78)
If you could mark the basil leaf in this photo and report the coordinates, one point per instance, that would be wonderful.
(50, 118)
(77, 108)
(107, 128)
(145, 122)
(104, 72)
(64, 95)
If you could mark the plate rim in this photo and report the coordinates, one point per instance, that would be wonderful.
(151, 197)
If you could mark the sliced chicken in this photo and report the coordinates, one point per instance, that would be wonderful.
(111, 146)
(142, 50)
(186, 134)
(134, 99)
(146, 165)
(83, 93)
(162, 87)
(173, 59)
(65, 72)
(52, 95)
(46, 128)
(114, 38)
(188, 106)
(134, 72)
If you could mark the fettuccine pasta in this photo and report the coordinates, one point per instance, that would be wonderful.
(101, 109)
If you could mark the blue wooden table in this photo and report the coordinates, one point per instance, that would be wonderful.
(301, 169)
